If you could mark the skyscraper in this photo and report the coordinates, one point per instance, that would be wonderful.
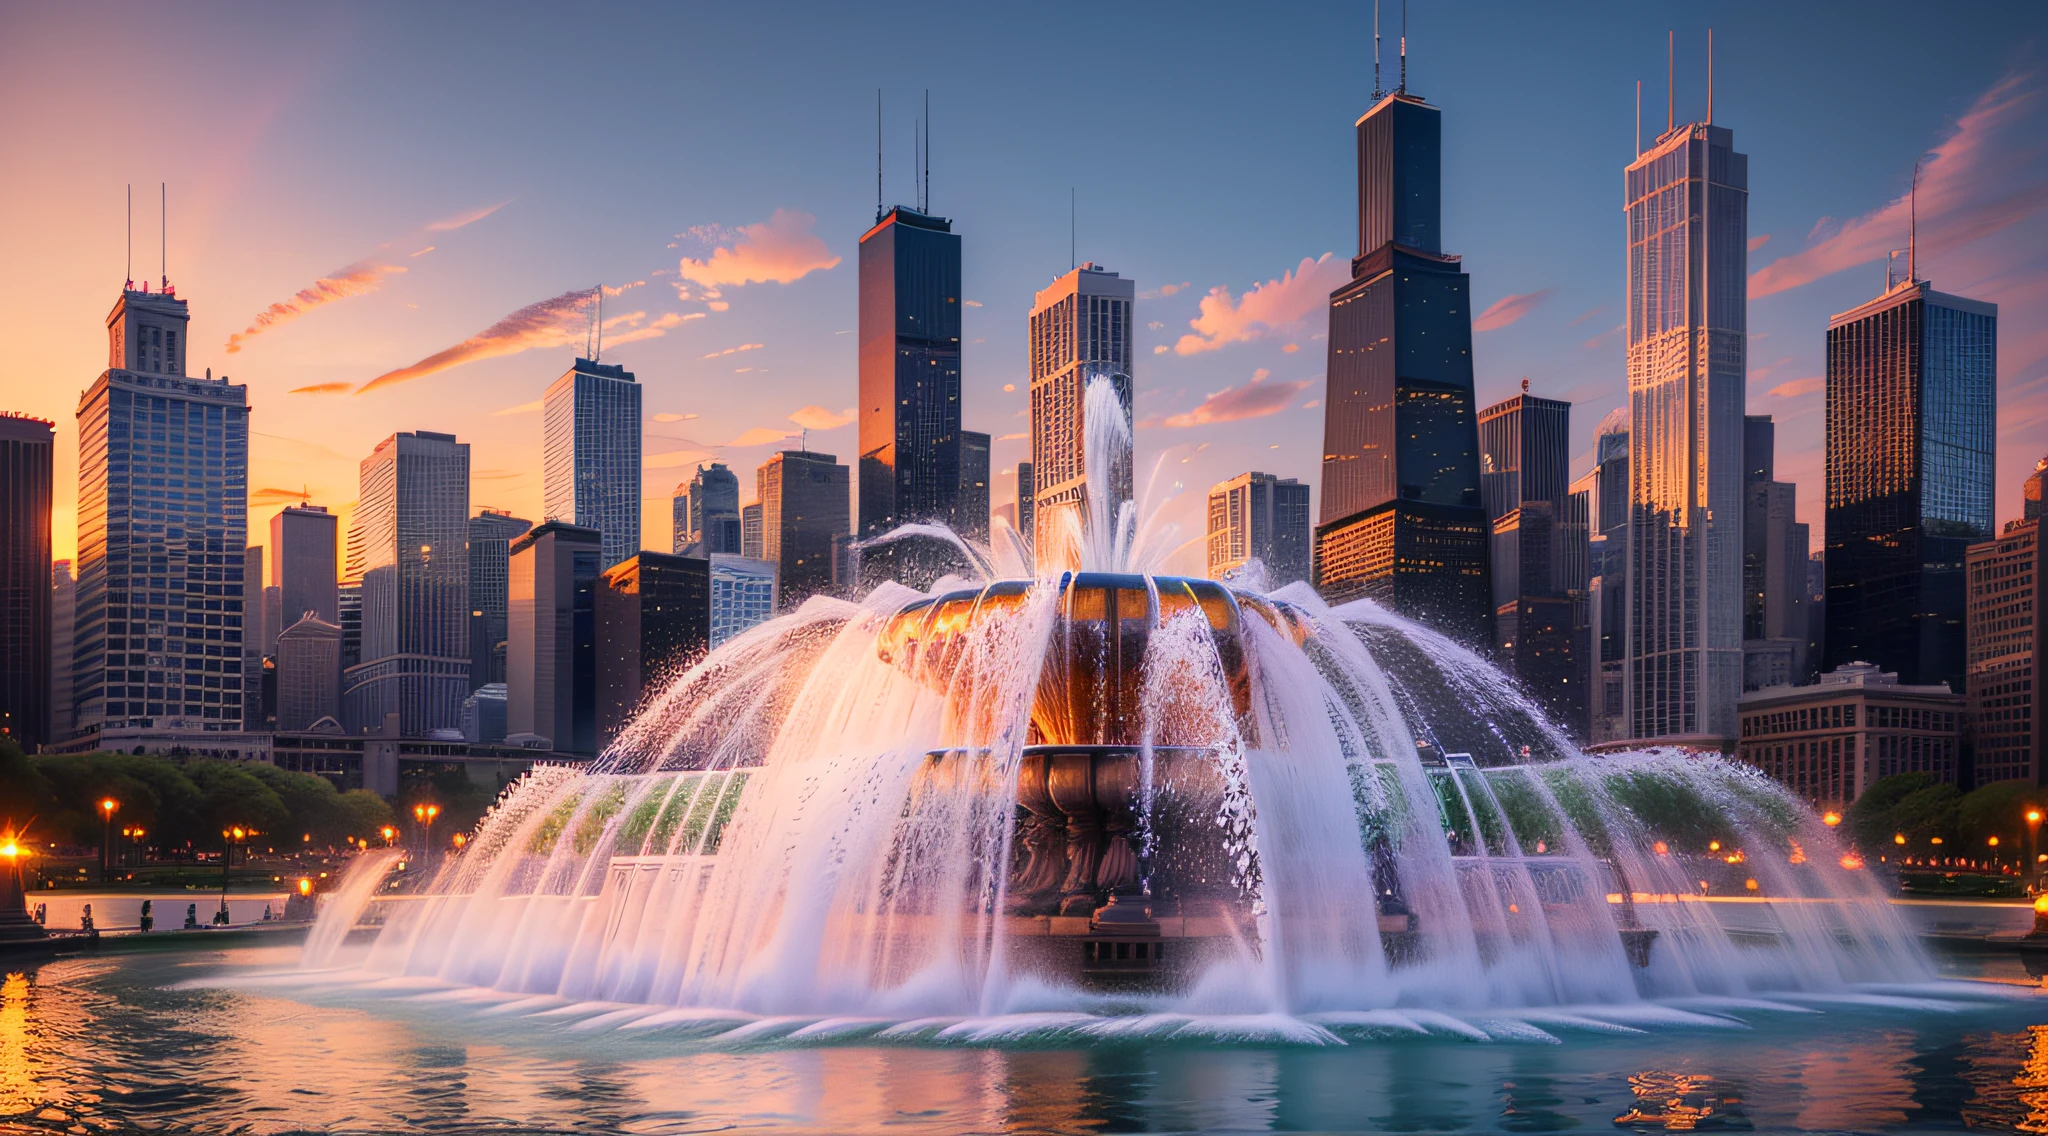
(2008, 652)
(706, 512)
(255, 644)
(1080, 329)
(551, 643)
(742, 595)
(1912, 405)
(26, 448)
(409, 546)
(308, 673)
(973, 519)
(752, 538)
(1607, 489)
(1257, 516)
(1774, 626)
(303, 564)
(1687, 205)
(1524, 452)
(163, 517)
(491, 533)
(1402, 517)
(1027, 499)
(803, 506)
(909, 386)
(63, 613)
(1537, 560)
(590, 459)
(653, 621)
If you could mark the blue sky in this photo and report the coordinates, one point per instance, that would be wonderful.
(1208, 146)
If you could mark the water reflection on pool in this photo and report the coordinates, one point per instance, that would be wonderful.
(162, 1042)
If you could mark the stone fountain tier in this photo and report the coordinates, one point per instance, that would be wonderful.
(1094, 673)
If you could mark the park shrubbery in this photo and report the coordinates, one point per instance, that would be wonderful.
(1921, 808)
(179, 804)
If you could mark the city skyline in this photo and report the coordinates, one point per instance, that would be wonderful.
(743, 357)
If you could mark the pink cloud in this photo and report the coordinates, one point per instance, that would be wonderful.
(1265, 308)
(1509, 309)
(556, 322)
(324, 388)
(760, 436)
(1758, 242)
(1798, 387)
(1255, 399)
(450, 224)
(780, 250)
(819, 418)
(357, 279)
(1983, 178)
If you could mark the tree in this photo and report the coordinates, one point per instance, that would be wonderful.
(1998, 809)
(365, 812)
(1915, 805)
(233, 797)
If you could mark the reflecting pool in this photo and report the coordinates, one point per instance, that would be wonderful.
(244, 1041)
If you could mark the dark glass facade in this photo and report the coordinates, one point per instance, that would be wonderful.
(1524, 453)
(909, 378)
(653, 621)
(26, 445)
(490, 541)
(972, 522)
(1912, 402)
(803, 507)
(1403, 520)
(551, 643)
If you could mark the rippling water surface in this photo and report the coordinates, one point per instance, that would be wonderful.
(242, 1042)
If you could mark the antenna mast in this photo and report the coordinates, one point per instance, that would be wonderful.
(1639, 118)
(927, 149)
(1376, 92)
(1671, 81)
(600, 323)
(1710, 76)
(1404, 46)
(130, 286)
(1073, 230)
(163, 237)
(1913, 224)
(878, 153)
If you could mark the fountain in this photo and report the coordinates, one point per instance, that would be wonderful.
(1100, 786)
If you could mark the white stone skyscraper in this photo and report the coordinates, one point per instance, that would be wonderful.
(1080, 328)
(590, 460)
(163, 519)
(409, 547)
(1687, 209)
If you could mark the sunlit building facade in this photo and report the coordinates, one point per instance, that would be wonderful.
(1080, 329)
(1912, 407)
(1258, 516)
(163, 519)
(1687, 209)
(2008, 650)
(590, 456)
(1402, 519)
(408, 545)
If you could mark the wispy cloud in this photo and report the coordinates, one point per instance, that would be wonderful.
(1508, 309)
(355, 280)
(780, 250)
(819, 418)
(735, 350)
(1601, 340)
(450, 224)
(1986, 176)
(423, 252)
(674, 417)
(972, 303)
(1759, 241)
(1019, 436)
(1582, 317)
(269, 496)
(1255, 399)
(1265, 308)
(324, 388)
(555, 322)
(1163, 291)
(1798, 387)
(760, 436)
(523, 408)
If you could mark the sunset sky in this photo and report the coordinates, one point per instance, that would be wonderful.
(390, 217)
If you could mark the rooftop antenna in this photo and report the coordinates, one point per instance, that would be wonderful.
(878, 153)
(1671, 81)
(163, 237)
(916, 155)
(1913, 224)
(1710, 76)
(1376, 92)
(927, 149)
(589, 329)
(600, 323)
(1639, 118)
(131, 238)
(1404, 46)
(1073, 230)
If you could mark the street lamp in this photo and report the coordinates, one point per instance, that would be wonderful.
(389, 834)
(229, 837)
(2033, 836)
(425, 815)
(108, 808)
(1831, 818)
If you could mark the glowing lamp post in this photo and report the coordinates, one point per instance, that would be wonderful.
(389, 834)
(424, 815)
(2033, 839)
(1831, 818)
(108, 808)
(15, 924)
(229, 837)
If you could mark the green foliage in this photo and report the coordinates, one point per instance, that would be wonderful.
(1915, 805)
(364, 813)
(232, 797)
(1998, 809)
(1532, 820)
(1671, 808)
(463, 802)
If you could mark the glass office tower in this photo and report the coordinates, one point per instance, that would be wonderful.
(491, 533)
(1912, 424)
(409, 545)
(163, 519)
(1080, 329)
(909, 386)
(1402, 517)
(26, 447)
(1687, 206)
(590, 460)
